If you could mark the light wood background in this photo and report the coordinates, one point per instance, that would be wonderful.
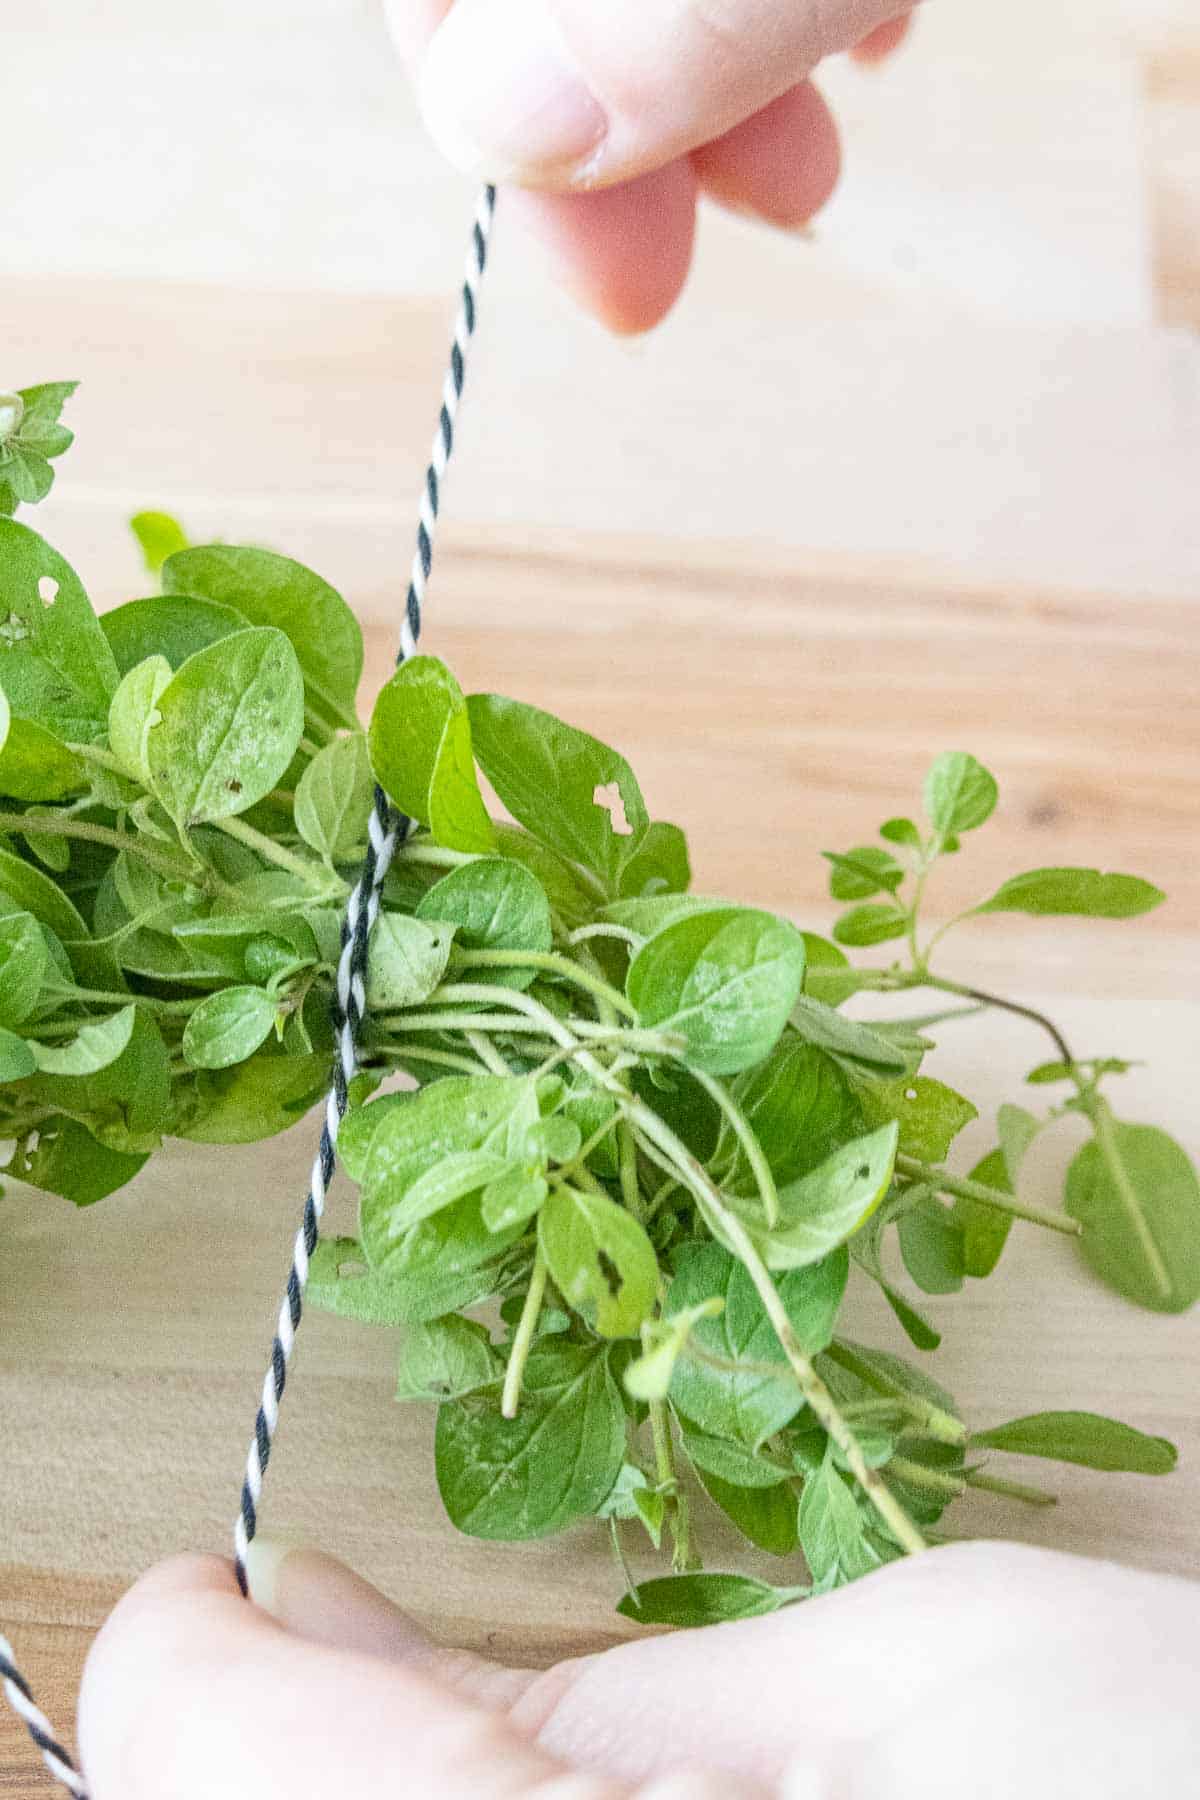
(930, 479)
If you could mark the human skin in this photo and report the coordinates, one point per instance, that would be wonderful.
(986, 1668)
(609, 123)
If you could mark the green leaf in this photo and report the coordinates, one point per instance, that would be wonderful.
(930, 1114)
(552, 778)
(341, 1282)
(729, 1461)
(133, 714)
(1017, 1129)
(984, 1229)
(96, 1044)
(406, 961)
(420, 745)
(389, 1147)
(496, 905)
(125, 1102)
(707, 1599)
(23, 963)
(799, 1106)
(960, 794)
(1135, 1193)
(29, 890)
(847, 1039)
(446, 1359)
(55, 664)
(1086, 892)
(824, 1208)
(832, 1535)
(69, 1161)
(659, 865)
(765, 1516)
(725, 980)
(170, 625)
(511, 1198)
(229, 723)
(159, 536)
(333, 799)
(652, 913)
(601, 1260)
(228, 1027)
(1085, 1438)
(16, 1056)
(745, 1404)
(932, 1244)
(254, 1099)
(33, 764)
(901, 831)
(272, 590)
(870, 924)
(30, 434)
(555, 1462)
(857, 874)
(828, 975)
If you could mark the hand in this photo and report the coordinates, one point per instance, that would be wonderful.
(622, 113)
(989, 1668)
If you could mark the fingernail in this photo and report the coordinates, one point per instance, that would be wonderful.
(264, 1572)
(503, 98)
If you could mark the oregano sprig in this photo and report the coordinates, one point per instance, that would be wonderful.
(640, 1145)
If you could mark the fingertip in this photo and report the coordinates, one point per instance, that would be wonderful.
(781, 165)
(879, 44)
(623, 252)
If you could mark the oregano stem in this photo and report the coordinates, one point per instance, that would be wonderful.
(938, 1481)
(281, 856)
(996, 1198)
(526, 1326)
(729, 1227)
(630, 1186)
(444, 1059)
(939, 1424)
(487, 1052)
(747, 1138)
(552, 964)
(47, 825)
(1012, 1490)
(622, 932)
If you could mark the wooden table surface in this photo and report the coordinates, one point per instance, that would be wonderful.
(815, 532)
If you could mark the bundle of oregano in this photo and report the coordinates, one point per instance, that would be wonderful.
(646, 1149)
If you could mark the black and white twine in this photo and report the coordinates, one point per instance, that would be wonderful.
(387, 828)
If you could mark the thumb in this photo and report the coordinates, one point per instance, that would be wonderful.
(318, 1598)
(568, 94)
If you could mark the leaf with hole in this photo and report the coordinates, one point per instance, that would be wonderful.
(601, 1260)
(929, 1114)
(554, 780)
(55, 664)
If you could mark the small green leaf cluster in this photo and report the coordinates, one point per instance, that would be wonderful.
(641, 1150)
(31, 436)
